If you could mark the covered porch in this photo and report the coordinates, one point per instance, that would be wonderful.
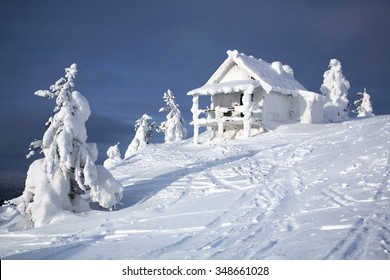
(231, 108)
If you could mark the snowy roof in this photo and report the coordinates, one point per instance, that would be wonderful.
(271, 76)
(226, 87)
(312, 96)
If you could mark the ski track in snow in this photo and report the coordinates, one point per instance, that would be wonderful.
(297, 192)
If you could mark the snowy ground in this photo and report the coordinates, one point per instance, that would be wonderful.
(297, 192)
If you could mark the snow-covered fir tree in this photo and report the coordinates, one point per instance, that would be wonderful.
(173, 127)
(114, 157)
(363, 105)
(335, 88)
(143, 134)
(66, 179)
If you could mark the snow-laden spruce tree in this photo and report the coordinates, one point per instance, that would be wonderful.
(143, 135)
(363, 105)
(335, 89)
(66, 179)
(173, 127)
(114, 157)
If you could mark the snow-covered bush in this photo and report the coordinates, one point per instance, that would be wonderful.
(66, 179)
(114, 157)
(143, 135)
(363, 105)
(173, 127)
(335, 89)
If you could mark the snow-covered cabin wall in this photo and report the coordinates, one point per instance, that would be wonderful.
(246, 93)
(308, 107)
(276, 107)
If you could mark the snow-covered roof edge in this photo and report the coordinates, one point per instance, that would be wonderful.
(312, 96)
(221, 71)
(226, 87)
(272, 76)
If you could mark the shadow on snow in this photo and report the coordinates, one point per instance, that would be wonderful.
(145, 189)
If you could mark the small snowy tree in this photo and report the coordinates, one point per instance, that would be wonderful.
(363, 105)
(114, 157)
(335, 89)
(143, 135)
(67, 176)
(173, 127)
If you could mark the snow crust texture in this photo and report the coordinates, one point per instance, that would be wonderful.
(300, 191)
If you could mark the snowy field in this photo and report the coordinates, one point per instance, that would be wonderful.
(299, 191)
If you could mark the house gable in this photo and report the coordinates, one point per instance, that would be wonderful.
(235, 73)
(272, 76)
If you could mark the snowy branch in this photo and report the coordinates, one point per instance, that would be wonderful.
(45, 94)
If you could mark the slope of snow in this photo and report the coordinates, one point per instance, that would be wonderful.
(297, 192)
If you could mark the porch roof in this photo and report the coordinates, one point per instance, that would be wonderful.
(226, 88)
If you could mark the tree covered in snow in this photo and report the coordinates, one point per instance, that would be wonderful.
(173, 127)
(114, 156)
(335, 88)
(66, 179)
(143, 135)
(363, 105)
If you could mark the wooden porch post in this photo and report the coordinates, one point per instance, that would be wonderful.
(195, 115)
(248, 108)
(218, 116)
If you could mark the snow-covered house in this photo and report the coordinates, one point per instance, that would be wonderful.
(247, 92)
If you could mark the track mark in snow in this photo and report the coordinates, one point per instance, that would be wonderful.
(264, 249)
(348, 245)
(335, 227)
(122, 233)
(300, 153)
(215, 243)
(340, 199)
(364, 238)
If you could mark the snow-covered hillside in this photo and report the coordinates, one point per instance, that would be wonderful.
(299, 191)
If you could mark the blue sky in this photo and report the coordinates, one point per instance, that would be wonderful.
(129, 52)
